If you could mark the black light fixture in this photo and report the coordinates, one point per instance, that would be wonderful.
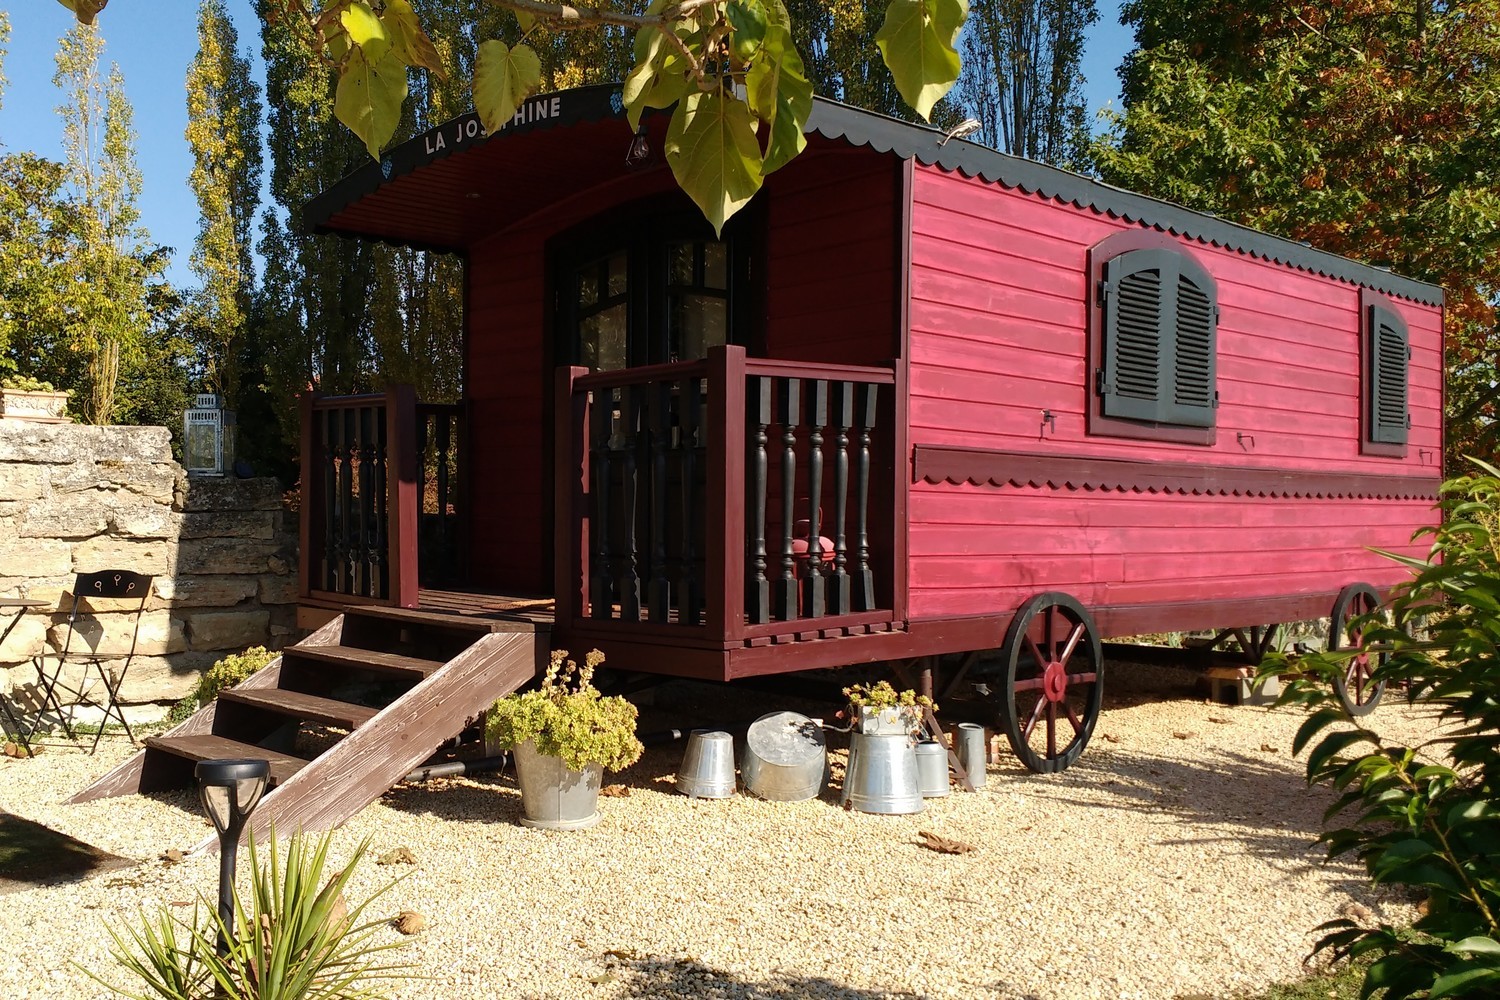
(229, 791)
(639, 153)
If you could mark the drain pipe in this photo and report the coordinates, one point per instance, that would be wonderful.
(457, 767)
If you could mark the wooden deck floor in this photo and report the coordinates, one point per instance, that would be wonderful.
(538, 610)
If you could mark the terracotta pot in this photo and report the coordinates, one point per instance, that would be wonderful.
(36, 406)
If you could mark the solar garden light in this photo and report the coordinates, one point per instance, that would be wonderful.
(229, 790)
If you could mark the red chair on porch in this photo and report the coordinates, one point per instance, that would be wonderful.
(87, 643)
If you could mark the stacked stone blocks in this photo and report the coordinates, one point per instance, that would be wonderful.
(77, 499)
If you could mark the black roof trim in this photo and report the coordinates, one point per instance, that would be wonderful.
(833, 120)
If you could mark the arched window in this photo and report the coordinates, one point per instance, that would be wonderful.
(1385, 354)
(1153, 342)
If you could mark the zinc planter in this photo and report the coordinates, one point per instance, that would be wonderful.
(553, 797)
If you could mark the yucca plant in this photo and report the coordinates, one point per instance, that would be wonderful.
(295, 938)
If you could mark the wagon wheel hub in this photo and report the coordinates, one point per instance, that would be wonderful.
(1055, 680)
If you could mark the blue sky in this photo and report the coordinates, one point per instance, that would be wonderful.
(153, 41)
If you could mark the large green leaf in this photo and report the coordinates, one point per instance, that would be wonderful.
(369, 96)
(84, 10)
(779, 92)
(409, 40)
(366, 31)
(918, 41)
(658, 79)
(503, 77)
(714, 155)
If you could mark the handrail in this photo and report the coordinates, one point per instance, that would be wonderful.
(642, 375)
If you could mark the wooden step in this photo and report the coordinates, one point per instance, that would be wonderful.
(366, 659)
(295, 704)
(283, 766)
(415, 616)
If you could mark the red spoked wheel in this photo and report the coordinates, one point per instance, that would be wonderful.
(1054, 682)
(1356, 689)
(1257, 642)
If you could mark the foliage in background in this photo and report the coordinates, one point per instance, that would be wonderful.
(569, 718)
(1427, 816)
(1023, 80)
(225, 673)
(223, 132)
(729, 71)
(1367, 129)
(296, 938)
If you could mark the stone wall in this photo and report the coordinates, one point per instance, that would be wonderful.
(76, 499)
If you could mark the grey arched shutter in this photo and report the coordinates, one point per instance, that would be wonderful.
(1160, 325)
(1390, 357)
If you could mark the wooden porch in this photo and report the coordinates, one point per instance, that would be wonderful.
(710, 516)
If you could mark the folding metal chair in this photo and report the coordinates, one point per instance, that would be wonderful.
(84, 625)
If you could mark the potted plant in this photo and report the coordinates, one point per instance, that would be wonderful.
(24, 398)
(879, 709)
(564, 735)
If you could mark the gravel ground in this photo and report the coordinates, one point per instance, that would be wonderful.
(1174, 859)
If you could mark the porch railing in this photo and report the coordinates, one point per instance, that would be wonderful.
(379, 484)
(726, 499)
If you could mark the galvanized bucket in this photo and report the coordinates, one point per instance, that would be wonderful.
(786, 758)
(553, 797)
(971, 751)
(882, 775)
(932, 769)
(707, 770)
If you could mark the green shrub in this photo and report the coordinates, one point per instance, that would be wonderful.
(1425, 816)
(225, 673)
(569, 718)
(296, 938)
(24, 383)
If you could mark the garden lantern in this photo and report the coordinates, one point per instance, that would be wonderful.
(207, 437)
(229, 791)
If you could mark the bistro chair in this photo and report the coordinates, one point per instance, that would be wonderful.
(86, 630)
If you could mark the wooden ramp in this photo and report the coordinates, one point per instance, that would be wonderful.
(344, 714)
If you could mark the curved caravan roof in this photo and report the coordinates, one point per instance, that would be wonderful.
(454, 184)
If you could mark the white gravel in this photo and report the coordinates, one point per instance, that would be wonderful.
(1156, 866)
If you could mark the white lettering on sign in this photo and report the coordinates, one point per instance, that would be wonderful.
(467, 129)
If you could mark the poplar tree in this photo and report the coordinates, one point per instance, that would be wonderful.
(223, 131)
(1022, 77)
(105, 310)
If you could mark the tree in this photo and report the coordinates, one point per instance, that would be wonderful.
(103, 311)
(729, 69)
(1022, 78)
(1364, 129)
(223, 132)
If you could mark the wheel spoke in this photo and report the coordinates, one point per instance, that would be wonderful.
(1073, 718)
(1047, 631)
(1036, 715)
(1036, 654)
(1031, 684)
(1073, 638)
(1085, 678)
(1051, 729)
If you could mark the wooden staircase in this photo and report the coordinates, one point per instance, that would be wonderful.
(344, 714)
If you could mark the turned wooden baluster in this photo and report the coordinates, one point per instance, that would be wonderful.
(348, 448)
(601, 570)
(863, 578)
(690, 593)
(814, 586)
(758, 416)
(659, 593)
(788, 415)
(839, 598)
(631, 400)
(380, 564)
(329, 462)
(364, 563)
